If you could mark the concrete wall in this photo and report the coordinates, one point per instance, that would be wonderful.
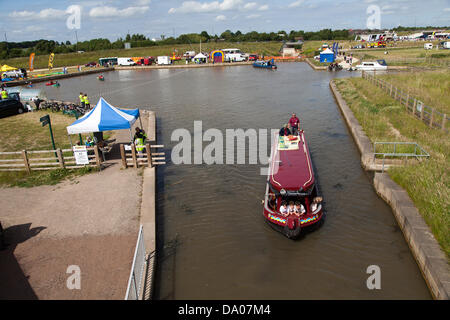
(426, 250)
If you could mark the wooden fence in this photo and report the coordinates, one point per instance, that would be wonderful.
(147, 158)
(38, 160)
(429, 115)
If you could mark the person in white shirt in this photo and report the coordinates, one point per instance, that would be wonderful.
(284, 209)
(299, 209)
(291, 208)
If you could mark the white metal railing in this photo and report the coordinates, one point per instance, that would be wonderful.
(137, 269)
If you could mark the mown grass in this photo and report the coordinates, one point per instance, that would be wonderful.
(73, 59)
(25, 132)
(406, 56)
(39, 178)
(427, 182)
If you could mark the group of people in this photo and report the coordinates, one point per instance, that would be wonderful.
(293, 207)
(292, 127)
(84, 101)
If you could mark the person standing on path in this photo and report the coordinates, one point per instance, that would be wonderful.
(86, 101)
(81, 96)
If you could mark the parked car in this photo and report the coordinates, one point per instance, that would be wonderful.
(91, 64)
(253, 57)
(10, 107)
(428, 46)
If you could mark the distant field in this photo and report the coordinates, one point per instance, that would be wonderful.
(73, 59)
(406, 56)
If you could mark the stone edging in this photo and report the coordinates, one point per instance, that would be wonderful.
(426, 250)
(363, 143)
(315, 67)
(147, 216)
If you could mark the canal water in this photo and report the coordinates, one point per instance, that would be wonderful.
(213, 242)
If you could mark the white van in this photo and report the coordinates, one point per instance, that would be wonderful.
(163, 60)
(126, 62)
(189, 54)
(428, 46)
(446, 44)
(233, 55)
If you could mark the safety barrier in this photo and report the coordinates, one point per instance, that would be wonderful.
(38, 160)
(146, 158)
(137, 269)
(398, 150)
(428, 115)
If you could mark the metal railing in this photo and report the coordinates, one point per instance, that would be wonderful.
(430, 116)
(399, 150)
(137, 269)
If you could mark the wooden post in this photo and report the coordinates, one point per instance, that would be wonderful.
(390, 93)
(98, 161)
(407, 101)
(60, 157)
(25, 160)
(432, 118)
(396, 92)
(414, 106)
(149, 155)
(133, 153)
(123, 156)
(444, 121)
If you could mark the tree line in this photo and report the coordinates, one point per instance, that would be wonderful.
(42, 47)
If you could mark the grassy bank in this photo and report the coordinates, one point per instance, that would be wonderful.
(25, 132)
(406, 56)
(430, 87)
(73, 59)
(427, 182)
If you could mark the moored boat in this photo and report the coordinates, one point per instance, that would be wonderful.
(270, 64)
(291, 178)
(372, 65)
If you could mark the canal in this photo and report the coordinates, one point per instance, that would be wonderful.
(213, 242)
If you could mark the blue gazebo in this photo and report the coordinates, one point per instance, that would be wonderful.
(327, 56)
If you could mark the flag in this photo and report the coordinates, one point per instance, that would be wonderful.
(32, 61)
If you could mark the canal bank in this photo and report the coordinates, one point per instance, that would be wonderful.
(426, 250)
(56, 77)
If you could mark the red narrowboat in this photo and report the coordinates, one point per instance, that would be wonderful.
(291, 179)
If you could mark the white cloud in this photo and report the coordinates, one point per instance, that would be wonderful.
(43, 14)
(264, 7)
(447, 9)
(250, 6)
(221, 18)
(253, 16)
(296, 4)
(201, 7)
(108, 12)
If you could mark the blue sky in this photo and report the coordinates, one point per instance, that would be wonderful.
(31, 20)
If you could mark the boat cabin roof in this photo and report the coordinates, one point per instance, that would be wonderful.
(291, 167)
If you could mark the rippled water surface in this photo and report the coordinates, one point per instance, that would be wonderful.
(212, 239)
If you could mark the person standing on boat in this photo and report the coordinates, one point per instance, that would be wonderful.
(285, 131)
(295, 124)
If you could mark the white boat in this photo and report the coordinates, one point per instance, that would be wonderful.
(372, 65)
